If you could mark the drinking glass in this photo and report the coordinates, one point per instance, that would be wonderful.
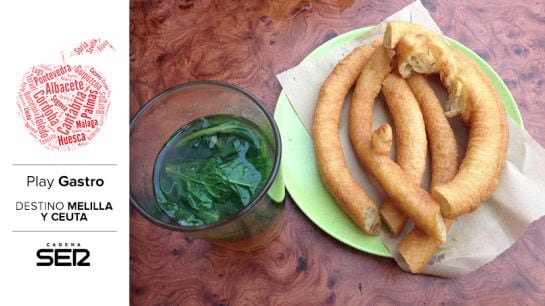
(255, 225)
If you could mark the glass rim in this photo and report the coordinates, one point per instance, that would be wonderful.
(272, 177)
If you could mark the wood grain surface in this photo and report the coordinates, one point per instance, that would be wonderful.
(247, 43)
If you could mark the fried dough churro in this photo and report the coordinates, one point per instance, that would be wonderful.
(411, 143)
(329, 153)
(471, 96)
(397, 184)
(417, 248)
(442, 143)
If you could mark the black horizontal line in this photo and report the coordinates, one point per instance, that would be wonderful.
(64, 231)
(64, 164)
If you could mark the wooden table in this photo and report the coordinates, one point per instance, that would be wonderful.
(247, 43)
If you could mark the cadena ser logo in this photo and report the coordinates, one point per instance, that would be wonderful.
(63, 254)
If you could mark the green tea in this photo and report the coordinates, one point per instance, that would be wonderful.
(211, 169)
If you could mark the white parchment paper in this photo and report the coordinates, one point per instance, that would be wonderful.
(475, 238)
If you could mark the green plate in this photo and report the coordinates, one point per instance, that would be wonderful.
(299, 161)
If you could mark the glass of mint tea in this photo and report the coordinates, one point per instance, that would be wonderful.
(205, 160)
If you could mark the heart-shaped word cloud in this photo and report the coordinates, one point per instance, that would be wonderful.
(63, 106)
